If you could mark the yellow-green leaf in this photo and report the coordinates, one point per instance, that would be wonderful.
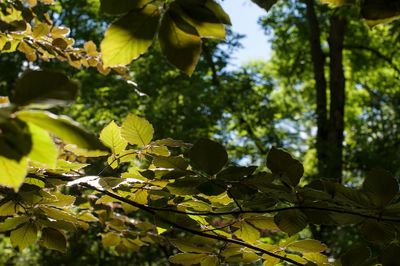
(137, 130)
(201, 18)
(247, 232)
(186, 246)
(12, 223)
(13, 172)
(53, 239)
(63, 127)
(8, 208)
(210, 260)
(130, 36)
(110, 239)
(24, 236)
(44, 151)
(181, 47)
(187, 258)
(307, 246)
(111, 137)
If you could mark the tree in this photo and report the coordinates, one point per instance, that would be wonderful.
(162, 190)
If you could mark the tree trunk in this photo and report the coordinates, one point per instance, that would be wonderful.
(329, 142)
(337, 97)
(318, 59)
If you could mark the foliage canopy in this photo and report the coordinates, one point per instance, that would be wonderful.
(154, 191)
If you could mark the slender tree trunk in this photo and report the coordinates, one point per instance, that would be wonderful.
(318, 59)
(337, 97)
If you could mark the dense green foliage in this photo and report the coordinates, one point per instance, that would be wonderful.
(136, 191)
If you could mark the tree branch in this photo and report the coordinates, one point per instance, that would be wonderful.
(189, 230)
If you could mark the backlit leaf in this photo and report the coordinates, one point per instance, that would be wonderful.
(200, 17)
(44, 150)
(13, 172)
(12, 223)
(187, 258)
(307, 246)
(111, 137)
(53, 239)
(8, 208)
(137, 130)
(63, 127)
(247, 232)
(24, 236)
(130, 36)
(180, 46)
(110, 239)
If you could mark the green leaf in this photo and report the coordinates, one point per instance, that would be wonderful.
(186, 246)
(110, 239)
(24, 236)
(57, 214)
(265, 4)
(84, 152)
(356, 255)
(179, 44)
(200, 17)
(59, 225)
(317, 258)
(378, 232)
(211, 188)
(63, 127)
(44, 87)
(137, 130)
(285, 166)
(173, 162)
(247, 232)
(236, 173)
(259, 201)
(130, 36)
(118, 7)
(338, 2)
(15, 139)
(187, 258)
(111, 137)
(291, 221)
(12, 223)
(208, 156)
(8, 208)
(390, 255)
(381, 187)
(211, 260)
(44, 150)
(307, 246)
(218, 12)
(263, 223)
(185, 186)
(13, 172)
(380, 10)
(53, 239)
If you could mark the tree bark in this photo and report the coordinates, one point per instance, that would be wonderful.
(337, 97)
(319, 60)
(330, 128)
